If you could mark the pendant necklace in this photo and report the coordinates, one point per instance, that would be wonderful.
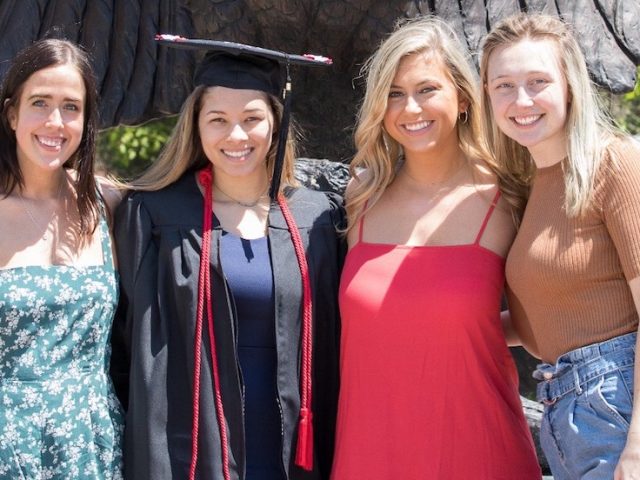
(45, 235)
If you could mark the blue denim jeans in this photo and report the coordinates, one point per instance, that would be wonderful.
(588, 396)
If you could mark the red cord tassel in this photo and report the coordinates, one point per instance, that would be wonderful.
(304, 449)
(205, 177)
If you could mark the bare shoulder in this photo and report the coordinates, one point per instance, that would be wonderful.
(501, 227)
(111, 191)
(357, 179)
(482, 174)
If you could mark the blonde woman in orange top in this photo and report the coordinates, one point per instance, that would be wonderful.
(574, 268)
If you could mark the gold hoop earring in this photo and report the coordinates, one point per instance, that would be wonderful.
(463, 117)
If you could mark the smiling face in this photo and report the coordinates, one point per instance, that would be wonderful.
(529, 97)
(423, 106)
(236, 130)
(48, 118)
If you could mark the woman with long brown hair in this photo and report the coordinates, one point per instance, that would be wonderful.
(229, 322)
(60, 417)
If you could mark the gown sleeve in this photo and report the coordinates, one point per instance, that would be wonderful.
(339, 218)
(132, 231)
(327, 336)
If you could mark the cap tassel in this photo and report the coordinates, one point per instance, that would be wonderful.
(283, 133)
(304, 448)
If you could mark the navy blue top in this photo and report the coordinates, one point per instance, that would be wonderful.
(247, 268)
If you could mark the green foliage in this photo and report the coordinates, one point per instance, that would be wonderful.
(628, 113)
(126, 151)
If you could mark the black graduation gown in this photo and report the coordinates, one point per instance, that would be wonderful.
(158, 238)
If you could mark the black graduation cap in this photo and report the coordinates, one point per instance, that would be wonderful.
(240, 66)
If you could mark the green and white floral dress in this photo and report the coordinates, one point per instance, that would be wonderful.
(59, 416)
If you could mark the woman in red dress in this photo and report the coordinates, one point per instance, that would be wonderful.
(428, 386)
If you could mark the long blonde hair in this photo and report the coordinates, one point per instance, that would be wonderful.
(183, 151)
(377, 152)
(588, 129)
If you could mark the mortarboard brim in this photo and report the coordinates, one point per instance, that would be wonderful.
(233, 48)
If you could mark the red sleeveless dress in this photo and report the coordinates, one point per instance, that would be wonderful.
(428, 387)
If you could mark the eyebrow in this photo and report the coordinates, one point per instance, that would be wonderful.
(49, 96)
(430, 81)
(222, 112)
(531, 72)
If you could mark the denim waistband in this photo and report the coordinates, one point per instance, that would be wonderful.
(573, 369)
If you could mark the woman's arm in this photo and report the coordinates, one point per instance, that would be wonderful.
(629, 465)
(510, 335)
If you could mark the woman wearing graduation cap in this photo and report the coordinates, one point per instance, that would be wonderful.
(225, 346)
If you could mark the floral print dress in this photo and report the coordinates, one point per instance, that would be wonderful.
(59, 416)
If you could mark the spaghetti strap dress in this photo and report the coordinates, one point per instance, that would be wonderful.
(429, 389)
(60, 418)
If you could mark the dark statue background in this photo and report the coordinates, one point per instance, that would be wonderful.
(140, 80)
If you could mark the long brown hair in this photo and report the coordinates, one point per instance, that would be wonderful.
(183, 151)
(38, 56)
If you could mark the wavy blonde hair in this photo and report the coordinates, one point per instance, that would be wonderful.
(183, 151)
(588, 129)
(377, 152)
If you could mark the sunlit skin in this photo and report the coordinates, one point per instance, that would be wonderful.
(423, 107)
(529, 98)
(437, 190)
(236, 130)
(49, 118)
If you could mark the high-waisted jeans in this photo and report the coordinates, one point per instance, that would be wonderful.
(588, 397)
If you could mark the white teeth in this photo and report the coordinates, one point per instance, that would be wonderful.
(51, 141)
(237, 153)
(528, 120)
(412, 127)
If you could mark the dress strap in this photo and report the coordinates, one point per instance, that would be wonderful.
(487, 217)
(361, 222)
(105, 237)
(107, 253)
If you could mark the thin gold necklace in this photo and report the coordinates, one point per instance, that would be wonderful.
(440, 183)
(241, 203)
(45, 235)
